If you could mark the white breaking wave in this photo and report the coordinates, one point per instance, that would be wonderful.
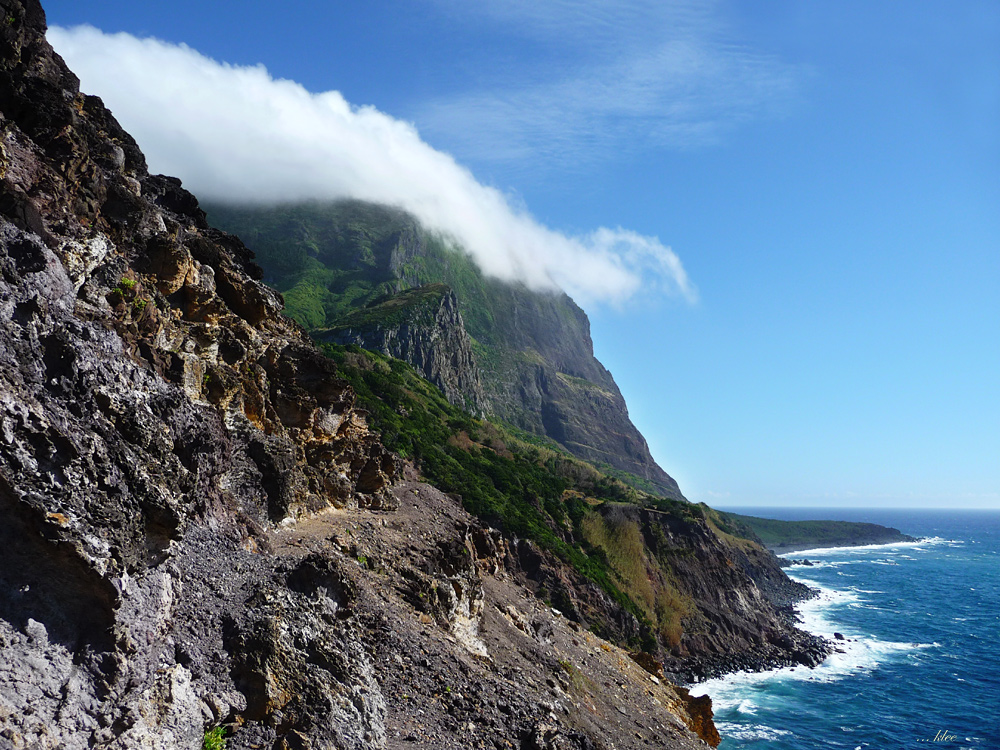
(826, 564)
(860, 653)
(859, 549)
(750, 733)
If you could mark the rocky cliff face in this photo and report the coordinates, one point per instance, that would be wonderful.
(719, 604)
(421, 326)
(742, 602)
(158, 413)
(533, 350)
(165, 438)
(540, 374)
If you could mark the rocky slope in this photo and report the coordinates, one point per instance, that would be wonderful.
(421, 326)
(470, 656)
(166, 440)
(533, 350)
(667, 576)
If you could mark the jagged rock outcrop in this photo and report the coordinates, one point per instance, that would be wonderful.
(157, 413)
(471, 659)
(421, 326)
(533, 349)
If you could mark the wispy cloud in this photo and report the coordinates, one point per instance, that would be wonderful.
(236, 134)
(620, 77)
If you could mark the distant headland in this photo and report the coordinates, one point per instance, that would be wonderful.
(782, 537)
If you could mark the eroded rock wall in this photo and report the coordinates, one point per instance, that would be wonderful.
(428, 332)
(157, 413)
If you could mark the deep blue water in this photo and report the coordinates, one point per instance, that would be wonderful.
(923, 659)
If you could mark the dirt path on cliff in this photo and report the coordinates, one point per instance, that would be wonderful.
(465, 656)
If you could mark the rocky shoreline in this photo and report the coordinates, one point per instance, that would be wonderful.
(798, 648)
(202, 533)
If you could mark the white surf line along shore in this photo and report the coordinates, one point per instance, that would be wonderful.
(805, 553)
(741, 694)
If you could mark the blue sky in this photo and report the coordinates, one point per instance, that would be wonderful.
(800, 203)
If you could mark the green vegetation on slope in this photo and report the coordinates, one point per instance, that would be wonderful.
(329, 259)
(337, 265)
(326, 260)
(518, 482)
(618, 533)
(416, 306)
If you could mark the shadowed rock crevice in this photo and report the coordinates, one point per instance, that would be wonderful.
(43, 579)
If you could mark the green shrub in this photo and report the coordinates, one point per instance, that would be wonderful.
(215, 739)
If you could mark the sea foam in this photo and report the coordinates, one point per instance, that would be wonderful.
(858, 653)
(861, 548)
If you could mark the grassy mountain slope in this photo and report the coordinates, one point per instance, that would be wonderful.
(651, 572)
(533, 349)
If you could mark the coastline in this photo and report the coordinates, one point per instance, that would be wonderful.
(739, 697)
(904, 645)
(815, 645)
(780, 550)
(796, 647)
(804, 646)
(808, 615)
(850, 652)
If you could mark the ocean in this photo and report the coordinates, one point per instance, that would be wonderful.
(920, 663)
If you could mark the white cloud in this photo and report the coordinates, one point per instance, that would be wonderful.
(236, 134)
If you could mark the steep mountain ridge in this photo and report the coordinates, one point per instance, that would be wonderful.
(533, 350)
(202, 530)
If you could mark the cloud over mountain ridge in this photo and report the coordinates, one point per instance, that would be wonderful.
(236, 134)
